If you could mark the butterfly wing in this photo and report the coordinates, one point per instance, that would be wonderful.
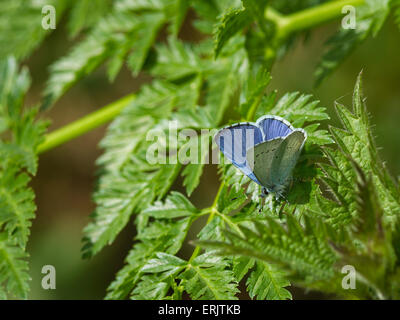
(273, 161)
(286, 156)
(274, 127)
(260, 159)
(235, 140)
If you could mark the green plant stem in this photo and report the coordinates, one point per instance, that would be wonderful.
(83, 125)
(212, 211)
(308, 18)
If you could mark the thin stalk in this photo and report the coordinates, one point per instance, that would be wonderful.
(83, 125)
(212, 211)
(308, 18)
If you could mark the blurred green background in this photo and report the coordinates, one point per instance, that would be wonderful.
(67, 175)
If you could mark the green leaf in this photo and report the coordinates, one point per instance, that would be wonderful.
(194, 170)
(227, 79)
(298, 109)
(301, 250)
(192, 174)
(112, 37)
(395, 4)
(21, 25)
(143, 39)
(368, 206)
(85, 13)
(181, 9)
(254, 93)
(13, 87)
(176, 205)
(164, 262)
(150, 288)
(17, 208)
(13, 268)
(231, 22)
(18, 162)
(86, 56)
(18, 154)
(207, 277)
(128, 182)
(176, 60)
(256, 8)
(164, 237)
(242, 265)
(357, 141)
(268, 283)
(27, 133)
(369, 20)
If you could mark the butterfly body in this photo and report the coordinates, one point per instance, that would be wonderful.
(266, 151)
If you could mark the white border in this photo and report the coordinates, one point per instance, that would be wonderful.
(256, 124)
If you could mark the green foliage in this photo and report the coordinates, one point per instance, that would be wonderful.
(369, 21)
(268, 282)
(350, 222)
(176, 206)
(231, 23)
(206, 278)
(264, 43)
(342, 207)
(396, 7)
(85, 14)
(21, 25)
(290, 6)
(18, 163)
(13, 269)
(130, 184)
(128, 32)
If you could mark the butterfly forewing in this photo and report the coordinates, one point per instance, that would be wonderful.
(234, 142)
(274, 127)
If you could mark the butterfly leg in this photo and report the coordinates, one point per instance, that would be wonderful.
(263, 194)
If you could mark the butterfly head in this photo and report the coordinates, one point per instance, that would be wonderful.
(278, 190)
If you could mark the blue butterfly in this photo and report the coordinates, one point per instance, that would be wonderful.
(265, 151)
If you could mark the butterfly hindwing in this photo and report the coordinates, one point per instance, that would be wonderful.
(235, 140)
(260, 159)
(286, 157)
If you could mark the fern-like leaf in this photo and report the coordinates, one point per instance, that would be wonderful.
(369, 20)
(230, 23)
(207, 277)
(21, 27)
(13, 268)
(268, 282)
(18, 162)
